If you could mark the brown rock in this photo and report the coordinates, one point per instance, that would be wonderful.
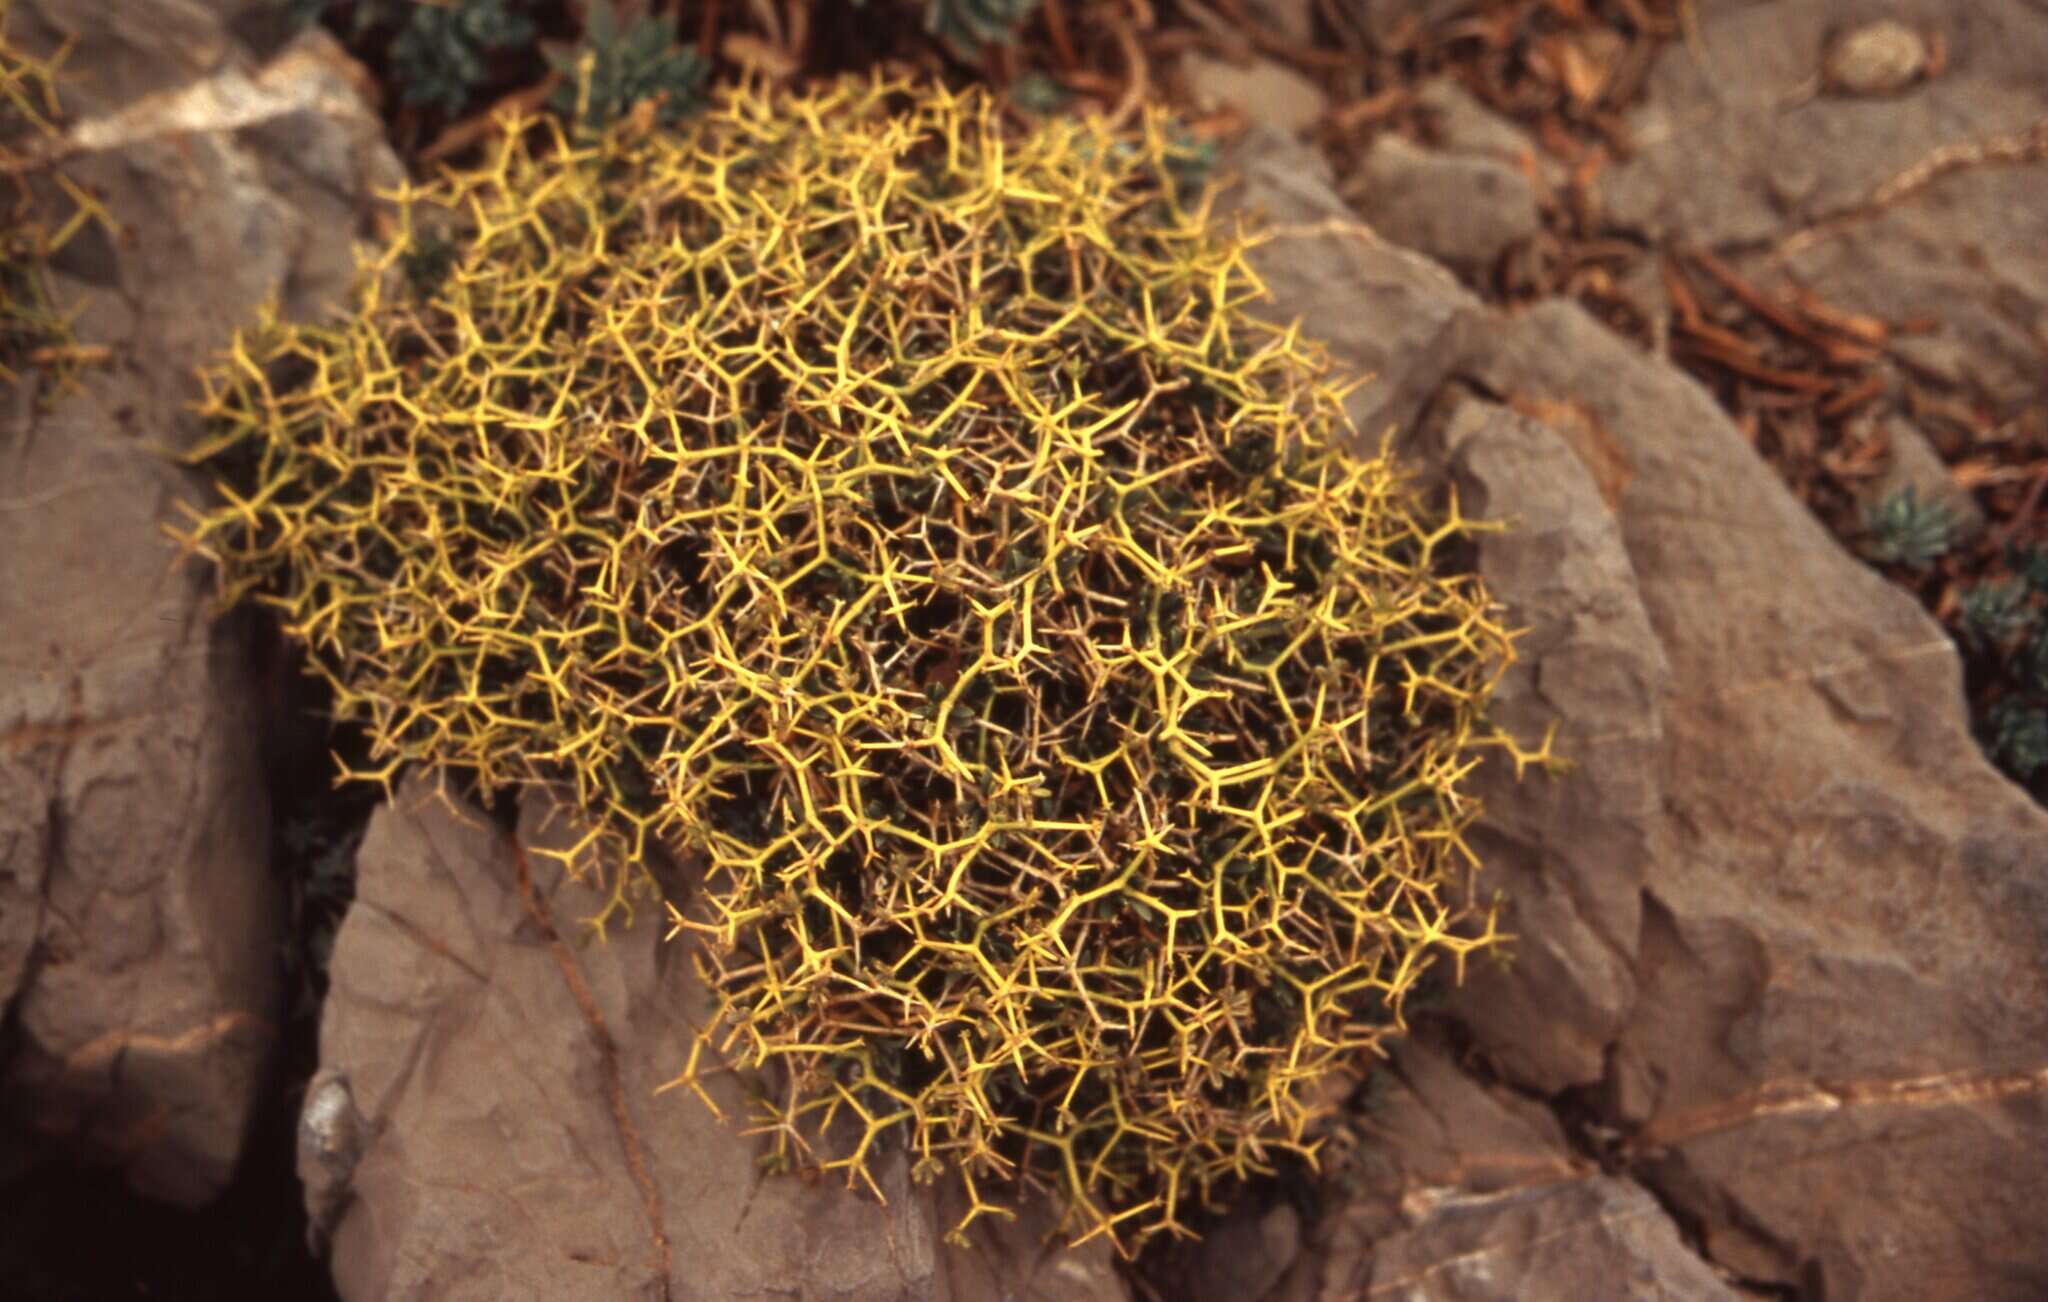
(1463, 210)
(1966, 253)
(1790, 928)
(1020, 1259)
(1570, 853)
(1385, 310)
(1843, 935)
(1433, 1160)
(138, 916)
(1269, 94)
(1240, 1260)
(1723, 118)
(1593, 1238)
(1923, 207)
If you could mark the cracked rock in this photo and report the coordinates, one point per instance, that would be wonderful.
(1782, 934)
(1268, 93)
(1598, 1237)
(139, 919)
(1463, 210)
(1923, 208)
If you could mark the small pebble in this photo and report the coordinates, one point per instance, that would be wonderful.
(1880, 58)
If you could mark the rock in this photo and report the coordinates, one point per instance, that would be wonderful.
(1721, 118)
(1435, 1158)
(139, 919)
(491, 1065)
(1842, 931)
(1923, 207)
(1456, 123)
(1599, 1237)
(1880, 58)
(1966, 253)
(1465, 211)
(1460, 124)
(1385, 310)
(1269, 94)
(1242, 1258)
(1571, 854)
(1785, 931)
(1913, 464)
(1381, 313)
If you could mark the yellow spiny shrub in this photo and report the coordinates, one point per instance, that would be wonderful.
(901, 519)
(32, 331)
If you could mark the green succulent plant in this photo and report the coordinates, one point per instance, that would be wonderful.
(908, 522)
(35, 335)
(2032, 664)
(969, 27)
(2016, 735)
(442, 53)
(1035, 92)
(618, 67)
(1993, 611)
(2004, 623)
(440, 49)
(1904, 529)
(2031, 564)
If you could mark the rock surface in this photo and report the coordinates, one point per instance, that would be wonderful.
(139, 921)
(1269, 93)
(1924, 205)
(1785, 931)
(1596, 1237)
(1464, 210)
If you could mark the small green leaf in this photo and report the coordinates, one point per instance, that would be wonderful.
(1034, 92)
(2032, 666)
(2032, 565)
(969, 26)
(1903, 530)
(441, 54)
(628, 65)
(2017, 737)
(1992, 612)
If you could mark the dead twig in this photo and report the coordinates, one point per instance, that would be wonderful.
(1134, 60)
(459, 136)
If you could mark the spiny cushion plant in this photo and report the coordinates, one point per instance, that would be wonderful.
(903, 520)
(32, 330)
